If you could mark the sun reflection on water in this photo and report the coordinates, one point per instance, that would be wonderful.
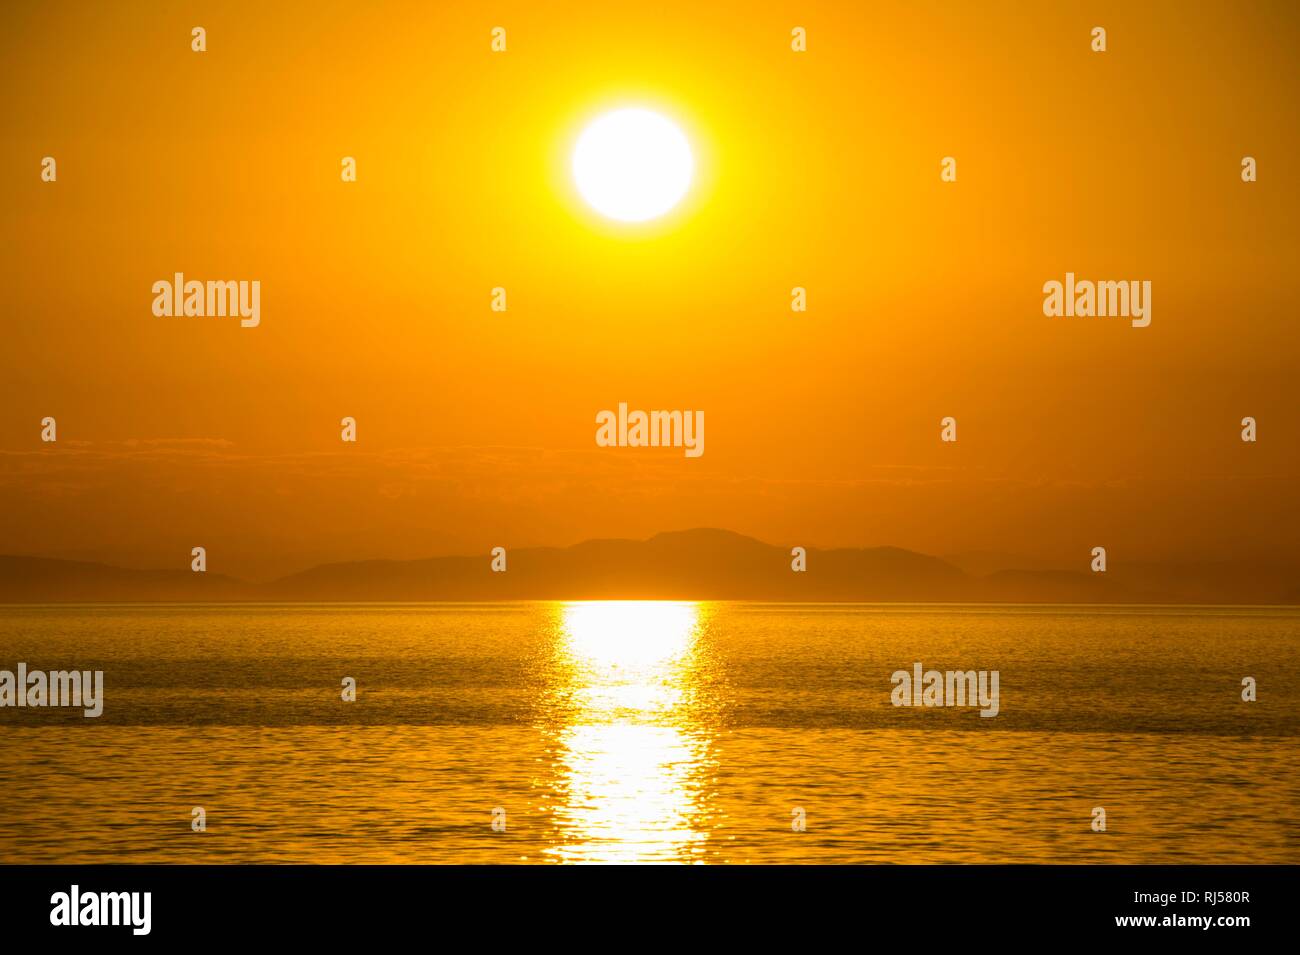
(630, 762)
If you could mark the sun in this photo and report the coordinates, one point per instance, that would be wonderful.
(632, 164)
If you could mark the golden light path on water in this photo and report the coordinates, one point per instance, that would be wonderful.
(630, 765)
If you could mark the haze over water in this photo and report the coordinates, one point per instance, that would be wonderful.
(652, 732)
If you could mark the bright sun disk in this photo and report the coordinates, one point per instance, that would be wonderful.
(632, 165)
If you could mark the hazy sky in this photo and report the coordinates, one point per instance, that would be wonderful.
(817, 169)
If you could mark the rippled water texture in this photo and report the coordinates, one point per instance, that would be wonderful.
(652, 732)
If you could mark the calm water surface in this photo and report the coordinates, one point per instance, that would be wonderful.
(652, 732)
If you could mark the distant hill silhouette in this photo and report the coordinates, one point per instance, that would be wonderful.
(45, 580)
(686, 565)
(702, 564)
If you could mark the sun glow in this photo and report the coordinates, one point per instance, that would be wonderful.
(630, 762)
(629, 633)
(632, 165)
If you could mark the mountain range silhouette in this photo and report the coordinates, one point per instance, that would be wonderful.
(699, 564)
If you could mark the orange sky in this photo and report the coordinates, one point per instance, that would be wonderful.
(819, 169)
